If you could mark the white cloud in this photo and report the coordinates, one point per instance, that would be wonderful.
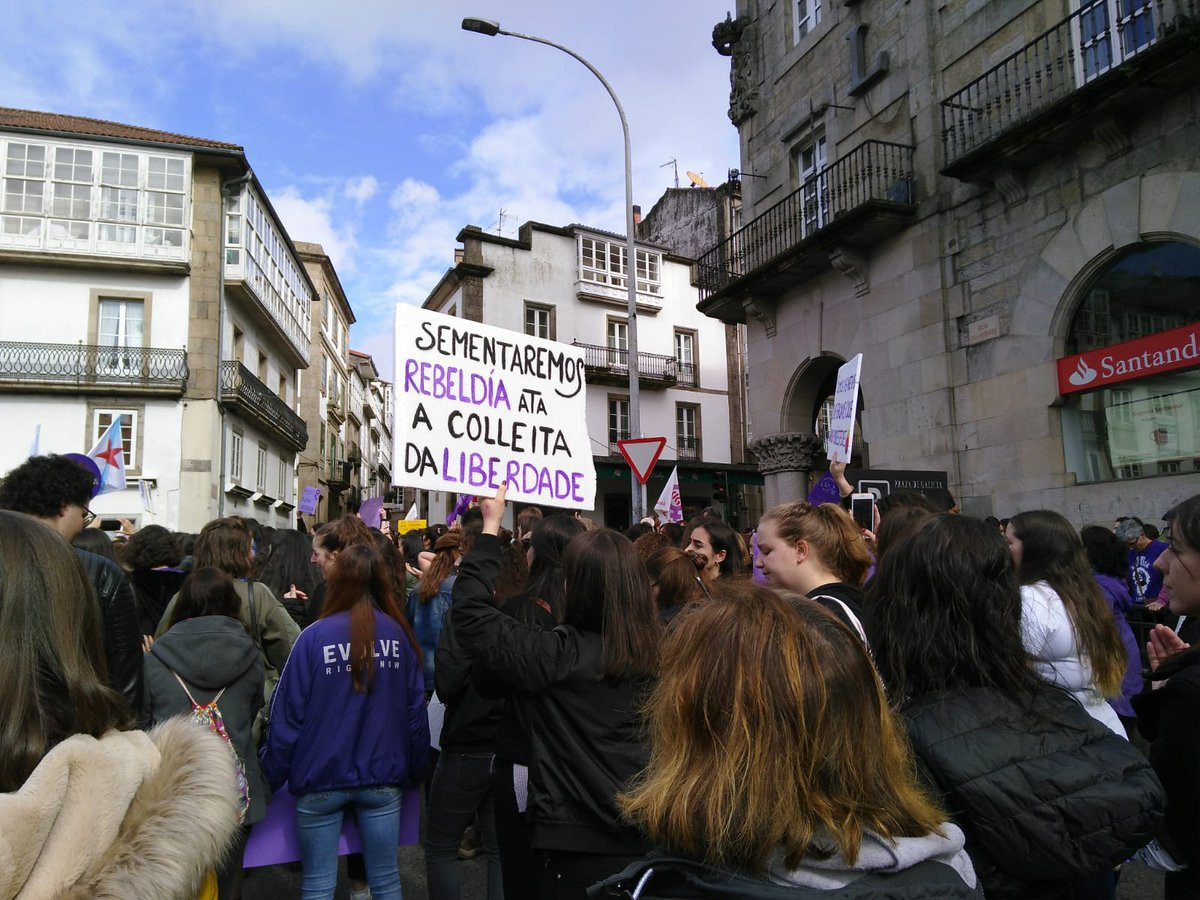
(311, 220)
(361, 189)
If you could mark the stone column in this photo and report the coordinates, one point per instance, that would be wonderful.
(786, 460)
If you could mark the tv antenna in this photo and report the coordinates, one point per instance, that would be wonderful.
(675, 164)
(697, 179)
(499, 226)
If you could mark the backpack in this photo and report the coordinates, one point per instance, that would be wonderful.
(209, 715)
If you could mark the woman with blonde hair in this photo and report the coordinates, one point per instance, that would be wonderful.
(817, 551)
(758, 727)
(90, 806)
(1066, 626)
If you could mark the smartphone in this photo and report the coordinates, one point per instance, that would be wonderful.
(110, 524)
(862, 508)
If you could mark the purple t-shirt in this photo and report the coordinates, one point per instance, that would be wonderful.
(1144, 579)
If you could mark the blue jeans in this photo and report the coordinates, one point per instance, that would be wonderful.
(319, 822)
(461, 787)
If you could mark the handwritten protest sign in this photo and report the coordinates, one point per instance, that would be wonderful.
(845, 409)
(477, 405)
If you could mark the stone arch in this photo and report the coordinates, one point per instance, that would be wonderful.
(1092, 238)
(805, 392)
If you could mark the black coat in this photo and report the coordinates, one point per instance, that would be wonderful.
(1169, 716)
(587, 740)
(1044, 793)
(118, 617)
(471, 718)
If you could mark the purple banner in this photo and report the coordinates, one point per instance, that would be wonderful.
(370, 511)
(274, 839)
(309, 500)
(825, 491)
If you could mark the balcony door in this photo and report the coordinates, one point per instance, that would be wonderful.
(810, 162)
(120, 337)
(1108, 32)
(617, 341)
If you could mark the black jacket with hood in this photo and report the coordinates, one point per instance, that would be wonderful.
(587, 740)
(210, 653)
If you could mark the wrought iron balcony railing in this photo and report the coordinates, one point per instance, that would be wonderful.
(32, 366)
(1093, 42)
(256, 400)
(687, 448)
(613, 363)
(875, 172)
(687, 373)
(613, 440)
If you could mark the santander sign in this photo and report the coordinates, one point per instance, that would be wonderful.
(1166, 351)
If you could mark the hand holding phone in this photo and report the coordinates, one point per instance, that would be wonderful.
(862, 508)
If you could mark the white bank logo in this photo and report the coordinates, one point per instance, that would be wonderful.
(1083, 374)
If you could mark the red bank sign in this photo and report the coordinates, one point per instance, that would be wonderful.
(1163, 352)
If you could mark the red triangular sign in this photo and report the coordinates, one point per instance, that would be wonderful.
(642, 454)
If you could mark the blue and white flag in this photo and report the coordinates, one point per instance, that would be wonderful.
(109, 455)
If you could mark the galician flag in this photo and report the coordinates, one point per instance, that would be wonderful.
(669, 503)
(109, 454)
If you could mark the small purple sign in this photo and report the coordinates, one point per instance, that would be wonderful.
(309, 500)
(274, 840)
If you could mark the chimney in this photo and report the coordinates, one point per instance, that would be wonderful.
(637, 215)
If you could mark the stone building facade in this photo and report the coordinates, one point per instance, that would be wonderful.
(980, 198)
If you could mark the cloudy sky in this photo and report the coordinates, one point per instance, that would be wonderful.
(380, 129)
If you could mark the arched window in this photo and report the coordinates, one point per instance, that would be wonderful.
(1148, 425)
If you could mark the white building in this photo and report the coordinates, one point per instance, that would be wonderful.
(568, 284)
(114, 301)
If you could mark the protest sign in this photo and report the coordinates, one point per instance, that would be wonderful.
(845, 409)
(477, 405)
(309, 500)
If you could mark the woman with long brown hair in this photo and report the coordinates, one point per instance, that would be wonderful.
(348, 723)
(1065, 623)
(586, 680)
(429, 601)
(676, 580)
(816, 551)
(90, 806)
(758, 726)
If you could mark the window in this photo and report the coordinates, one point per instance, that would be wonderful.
(262, 367)
(283, 388)
(1142, 426)
(618, 422)
(235, 456)
(685, 357)
(687, 431)
(809, 161)
(282, 493)
(1109, 32)
(808, 16)
(24, 181)
(261, 476)
(120, 336)
(617, 341)
(324, 374)
(539, 321)
(326, 310)
(603, 262)
(102, 418)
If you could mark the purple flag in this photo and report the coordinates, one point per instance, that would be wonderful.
(464, 501)
(274, 840)
(825, 491)
(309, 500)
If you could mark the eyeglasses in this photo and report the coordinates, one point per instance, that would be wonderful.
(88, 516)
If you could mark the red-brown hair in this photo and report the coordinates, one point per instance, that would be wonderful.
(359, 583)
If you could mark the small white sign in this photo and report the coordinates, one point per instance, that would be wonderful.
(477, 405)
(845, 410)
(984, 329)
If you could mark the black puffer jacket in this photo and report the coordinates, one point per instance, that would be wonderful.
(1044, 793)
(471, 718)
(587, 743)
(122, 636)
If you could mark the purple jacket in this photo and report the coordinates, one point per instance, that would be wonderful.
(326, 736)
(1116, 592)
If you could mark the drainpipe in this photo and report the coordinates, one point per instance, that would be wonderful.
(229, 188)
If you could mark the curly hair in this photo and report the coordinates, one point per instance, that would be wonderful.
(150, 547)
(42, 485)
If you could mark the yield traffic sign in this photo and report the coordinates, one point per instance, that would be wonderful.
(642, 454)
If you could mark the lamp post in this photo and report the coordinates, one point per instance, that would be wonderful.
(491, 29)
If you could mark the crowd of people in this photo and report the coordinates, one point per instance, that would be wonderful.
(935, 706)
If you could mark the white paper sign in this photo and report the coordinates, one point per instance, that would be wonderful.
(845, 409)
(477, 405)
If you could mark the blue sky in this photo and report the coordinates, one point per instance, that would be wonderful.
(380, 129)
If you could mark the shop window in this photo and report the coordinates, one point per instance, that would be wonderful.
(1148, 425)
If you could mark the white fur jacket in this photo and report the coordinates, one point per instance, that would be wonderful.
(133, 815)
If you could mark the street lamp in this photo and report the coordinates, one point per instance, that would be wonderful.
(491, 29)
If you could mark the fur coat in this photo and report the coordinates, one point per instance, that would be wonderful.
(131, 815)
